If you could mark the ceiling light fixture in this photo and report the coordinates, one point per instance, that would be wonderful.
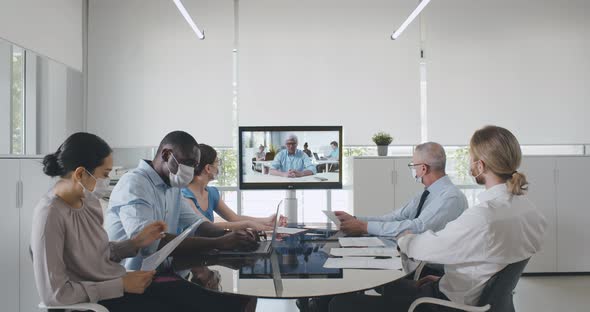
(410, 18)
(189, 20)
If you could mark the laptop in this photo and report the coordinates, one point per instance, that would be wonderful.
(264, 247)
(315, 155)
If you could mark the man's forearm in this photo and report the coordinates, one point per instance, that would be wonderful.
(275, 172)
(208, 229)
(191, 245)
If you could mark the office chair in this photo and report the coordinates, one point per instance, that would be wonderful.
(73, 307)
(496, 296)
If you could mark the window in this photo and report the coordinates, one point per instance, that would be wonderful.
(17, 102)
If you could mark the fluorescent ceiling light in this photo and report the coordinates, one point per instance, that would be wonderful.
(189, 20)
(412, 16)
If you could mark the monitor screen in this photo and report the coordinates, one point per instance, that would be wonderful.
(298, 157)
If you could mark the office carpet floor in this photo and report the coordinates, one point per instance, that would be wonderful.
(533, 294)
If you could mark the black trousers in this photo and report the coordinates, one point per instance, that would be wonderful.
(396, 296)
(321, 304)
(176, 296)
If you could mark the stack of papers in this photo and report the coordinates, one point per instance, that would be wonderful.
(153, 261)
(360, 242)
(363, 263)
(364, 252)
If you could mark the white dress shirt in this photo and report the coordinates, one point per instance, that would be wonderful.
(501, 230)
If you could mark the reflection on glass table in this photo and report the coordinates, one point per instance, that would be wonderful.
(294, 269)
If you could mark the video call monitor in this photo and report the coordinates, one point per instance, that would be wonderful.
(297, 157)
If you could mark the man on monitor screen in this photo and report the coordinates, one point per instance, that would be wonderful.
(292, 162)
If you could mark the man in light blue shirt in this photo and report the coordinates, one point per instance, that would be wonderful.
(152, 191)
(431, 209)
(335, 154)
(291, 162)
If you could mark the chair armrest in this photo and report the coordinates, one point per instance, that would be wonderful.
(418, 270)
(78, 307)
(449, 304)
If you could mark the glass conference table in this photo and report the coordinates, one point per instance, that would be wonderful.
(294, 269)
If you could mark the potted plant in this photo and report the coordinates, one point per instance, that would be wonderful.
(272, 152)
(382, 139)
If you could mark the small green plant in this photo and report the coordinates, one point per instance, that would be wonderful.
(382, 138)
(272, 152)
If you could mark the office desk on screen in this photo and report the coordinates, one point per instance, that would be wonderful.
(266, 178)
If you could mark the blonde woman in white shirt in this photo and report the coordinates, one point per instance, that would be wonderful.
(504, 228)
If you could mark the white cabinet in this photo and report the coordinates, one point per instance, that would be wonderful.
(34, 185)
(9, 228)
(540, 172)
(381, 184)
(22, 185)
(373, 180)
(573, 214)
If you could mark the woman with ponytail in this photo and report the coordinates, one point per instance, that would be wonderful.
(503, 228)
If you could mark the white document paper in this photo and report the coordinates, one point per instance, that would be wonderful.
(363, 263)
(153, 261)
(285, 230)
(364, 252)
(332, 216)
(360, 242)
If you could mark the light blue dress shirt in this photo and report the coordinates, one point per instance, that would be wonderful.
(445, 203)
(140, 198)
(335, 154)
(298, 161)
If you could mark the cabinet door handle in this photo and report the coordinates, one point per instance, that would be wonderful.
(393, 177)
(18, 194)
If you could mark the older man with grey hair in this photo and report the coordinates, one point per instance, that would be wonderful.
(292, 162)
(431, 209)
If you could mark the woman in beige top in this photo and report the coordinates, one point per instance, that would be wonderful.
(73, 260)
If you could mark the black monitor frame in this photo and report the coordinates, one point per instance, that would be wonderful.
(288, 186)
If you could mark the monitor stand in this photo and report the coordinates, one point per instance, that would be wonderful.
(291, 207)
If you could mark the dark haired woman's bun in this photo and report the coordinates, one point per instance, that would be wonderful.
(51, 166)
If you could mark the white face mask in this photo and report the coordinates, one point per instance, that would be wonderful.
(101, 188)
(183, 177)
(415, 175)
(474, 177)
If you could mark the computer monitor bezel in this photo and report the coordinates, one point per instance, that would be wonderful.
(287, 186)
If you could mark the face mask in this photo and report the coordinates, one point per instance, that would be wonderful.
(101, 188)
(415, 176)
(183, 177)
(475, 177)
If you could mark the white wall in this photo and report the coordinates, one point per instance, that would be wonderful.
(330, 62)
(51, 28)
(520, 64)
(148, 73)
(59, 104)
